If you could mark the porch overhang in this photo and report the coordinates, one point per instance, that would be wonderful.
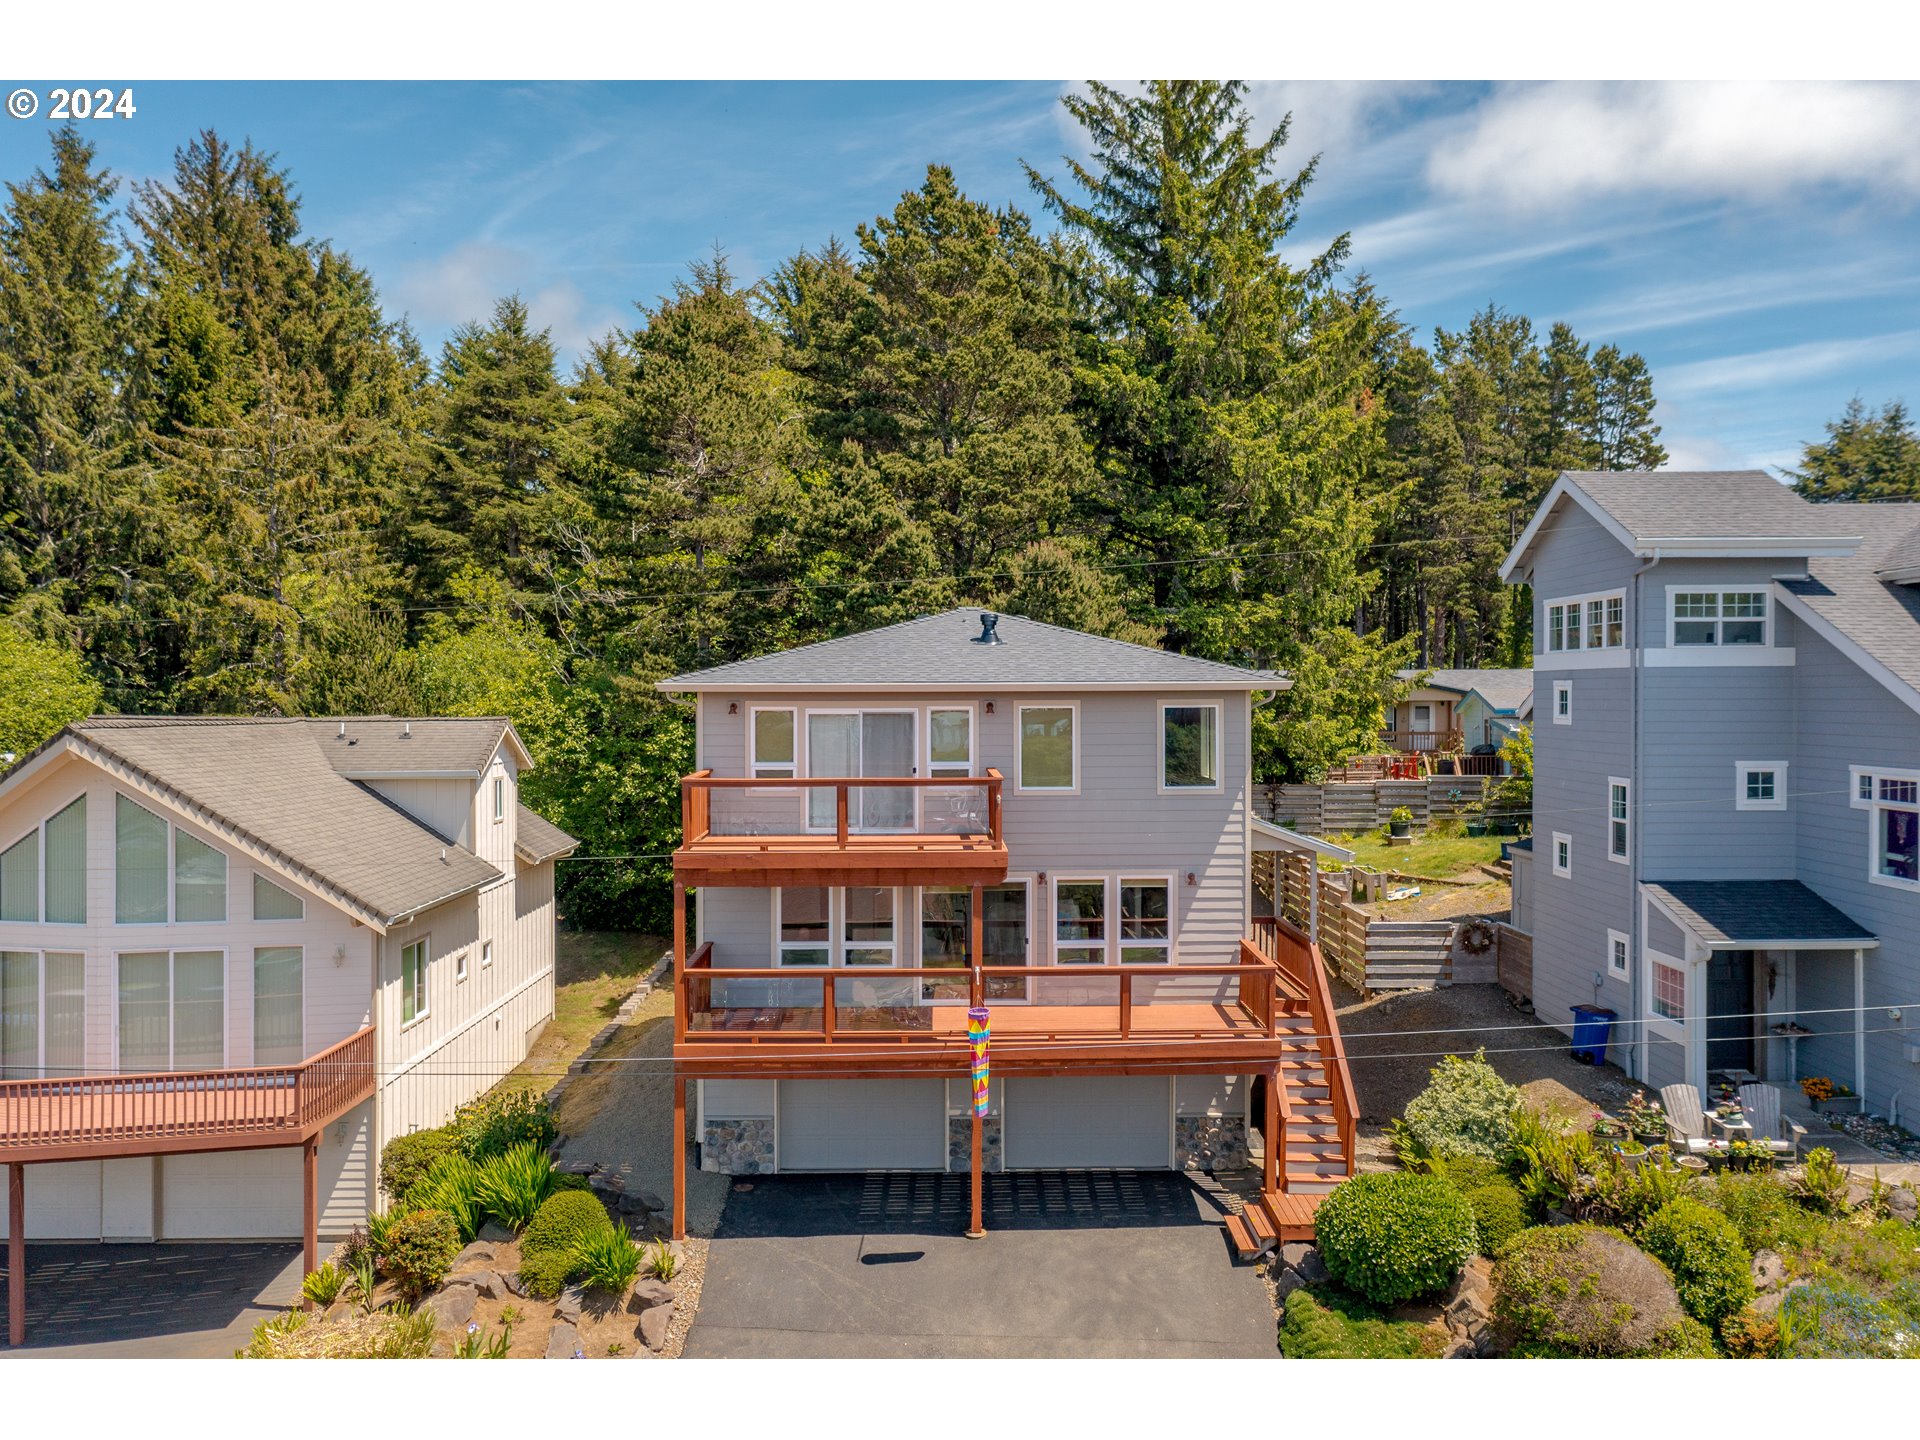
(1265, 835)
(1757, 915)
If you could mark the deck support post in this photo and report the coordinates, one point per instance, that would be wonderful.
(310, 1209)
(679, 1158)
(976, 1170)
(16, 1255)
(1270, 1172)
(978, 994)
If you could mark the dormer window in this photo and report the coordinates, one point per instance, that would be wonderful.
(1719, 617)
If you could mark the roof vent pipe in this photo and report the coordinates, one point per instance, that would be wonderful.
(343, 731)
(406, 729)
(988, 635)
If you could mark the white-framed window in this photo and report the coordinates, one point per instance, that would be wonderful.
(1619, 818)
(499, 799)
(949, 742)
(1699, 616)
(1049, 758)
(279, 1005)
(459, 966)
(162, 873)
(1563, 702)
(772, 748)
(20, 879)
(414, 964)
(855, 926)
(172, 1010)
(199, 880)
(1893, 841)
(275, 902)
(1562, 854)
(486, 953)
(63, 848)
(1759, 784)
(1587, 622)
(1146, 920)
(1860, 787)
(1617, 954)
(43, 1014)
(1189, 747)
(1080, 921)
(1666, 989)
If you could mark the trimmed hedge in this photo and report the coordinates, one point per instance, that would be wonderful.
(405, 1161)
(1499, 1213)
(1712, 1269)
(553, 1248)
(1583, 1290)
(1394, 1236)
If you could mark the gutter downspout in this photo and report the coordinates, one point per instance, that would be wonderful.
(1635, 1001)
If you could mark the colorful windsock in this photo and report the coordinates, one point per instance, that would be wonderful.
(979, 1037)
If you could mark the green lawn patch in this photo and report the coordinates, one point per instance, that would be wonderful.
(1441, 856)
(595, 970)
(1326, 1323)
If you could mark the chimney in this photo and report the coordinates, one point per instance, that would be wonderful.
(988, 634)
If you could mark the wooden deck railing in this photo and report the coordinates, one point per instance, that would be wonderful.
(74, 1116)
(1421, 742)
(697, 792)
(1303, 969)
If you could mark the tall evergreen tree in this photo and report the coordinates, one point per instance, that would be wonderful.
(1867, 455)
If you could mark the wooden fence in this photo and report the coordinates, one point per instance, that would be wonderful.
(1350, 808)
(1368, 953)
(1513, 950)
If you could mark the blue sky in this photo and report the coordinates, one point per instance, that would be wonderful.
(1756, 242)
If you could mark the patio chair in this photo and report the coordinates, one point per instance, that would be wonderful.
(1686, 1125)
(1781, 1132)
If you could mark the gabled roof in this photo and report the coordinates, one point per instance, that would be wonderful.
(940, 652)
(1505, 692)
(1693, 513)
(538, 839)
(1757, 915)
(272, 786)
(386, 746)
(1269, 836)
(1853, 603)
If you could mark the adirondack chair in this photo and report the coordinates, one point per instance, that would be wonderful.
(1686, 1125)
(1780, 1131)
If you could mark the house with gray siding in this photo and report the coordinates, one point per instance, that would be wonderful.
(1726, 826)
(970, 822)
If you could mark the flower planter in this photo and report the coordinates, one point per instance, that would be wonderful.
(1630, 1158)
(1476, 828)
(1696, 1164)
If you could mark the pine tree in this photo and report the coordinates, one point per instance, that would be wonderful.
(1867, 455)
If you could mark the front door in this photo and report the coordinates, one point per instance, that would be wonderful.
(946, 939)
(1730, 1010)
(867, 743)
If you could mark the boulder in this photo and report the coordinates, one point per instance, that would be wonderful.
(487, 1282)
(1288, 1282)
(453, 1307)
(647, 1293)
(609, 1183)
(563, 1343)
(1769, 1271)
(494, 1233)
(1770, 1302)
(478, 1253)
(1460, 1348)
(1475, 1280)
(1904, 1205)
(653, 1325)
(567, 1307)
(511, 1279)
(1470, 1309)
(631, 1205)
(1304, 1261)
(651, 1201)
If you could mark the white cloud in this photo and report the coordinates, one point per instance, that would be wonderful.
(464, 284)
(1784, 366)
(1542, 145)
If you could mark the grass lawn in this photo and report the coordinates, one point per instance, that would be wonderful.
(1441, 856)
(1327, 1324)
(596, 970)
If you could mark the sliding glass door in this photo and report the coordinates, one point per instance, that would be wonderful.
(869, 744)
(946, 939)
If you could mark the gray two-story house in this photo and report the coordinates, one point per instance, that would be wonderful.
(899, 837)
(1726, 827)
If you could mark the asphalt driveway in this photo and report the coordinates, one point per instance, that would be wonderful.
(155, 1301)
(1083, 1263)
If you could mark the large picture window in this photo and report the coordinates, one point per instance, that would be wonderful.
(66, 865)
(946, 937)
(1719, 617)
(1587, 622)
(199, 880)
(1190, 747)
(172, 1010)
(139, 864)
(855, 926)
(1080, 922)
(1049, 748)
(1146, 924)
(43, 1014)
(278, 1006)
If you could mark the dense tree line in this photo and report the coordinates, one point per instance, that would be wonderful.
(230, 482)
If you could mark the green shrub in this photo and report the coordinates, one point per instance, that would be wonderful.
(567, 1180)
(406, 1160)
(452, 1185)
(1580, 1290)
(1466, 1109)
(1712, 1269)
(1393, 1236)
(511, 1186)
(378, 1224)
(661, 1262)
(1821, 1185)
(609, 1260)
(546, 1274)
(552, 1246)
(1551, 1170)
(1330, 1325)
(495, 1123)
(1498, 1214)
(324, 1285)
(1685, 1339)
(1761, 1210)
(420, 1250)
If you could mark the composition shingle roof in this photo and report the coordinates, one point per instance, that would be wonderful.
(1731, 913)
(277, 784)
(372, 745)
(1848, 593)
(1506, 690)
(939, 652)
(1709, 504)
(537, 838)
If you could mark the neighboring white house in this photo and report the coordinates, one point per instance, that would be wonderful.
(230, 945)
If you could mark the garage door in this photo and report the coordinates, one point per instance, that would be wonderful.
(863, 1125)
(1117, 1122)
(232, 1195)
(63, 1201)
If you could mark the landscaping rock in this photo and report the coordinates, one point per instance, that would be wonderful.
(563, 1342)
(1469, 1310)
(486, 1282)
(1767, 1304)
(1288, 1282)
(647, 1293)
(631, 1205)
(1769, 1271)
(654, 1203)
(478, 1253)
(1460, 1348)
(453, 1307)
(514, 1283)
(653, 1325)
(494, 1233)
(1476, 1280)
(1904, 1205)
(567, 1307)
(1304, 1260)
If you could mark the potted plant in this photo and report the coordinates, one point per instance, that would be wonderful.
(1644, 1119)
(1400, 822)
(1818, 1089)
(1630, 1151)
(1477, 827)
(1605, 1127)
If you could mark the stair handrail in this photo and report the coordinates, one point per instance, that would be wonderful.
(1333, 1047)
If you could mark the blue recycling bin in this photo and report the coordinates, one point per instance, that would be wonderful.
(1592, 1025)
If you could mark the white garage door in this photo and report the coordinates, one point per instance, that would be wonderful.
(63, 1201)
(863, 1125)
(1104, 1122)
(232, 1195)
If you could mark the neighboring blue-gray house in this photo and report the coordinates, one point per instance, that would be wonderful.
(1727, 776)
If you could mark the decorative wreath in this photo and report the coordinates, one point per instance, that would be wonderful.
(1476, 937)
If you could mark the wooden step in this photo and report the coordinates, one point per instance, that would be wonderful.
(1291, 1214)
(1262, 1227)
(1240, 1235)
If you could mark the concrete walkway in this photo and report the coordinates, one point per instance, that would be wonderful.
(1100, 1263)
(158, 1302)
